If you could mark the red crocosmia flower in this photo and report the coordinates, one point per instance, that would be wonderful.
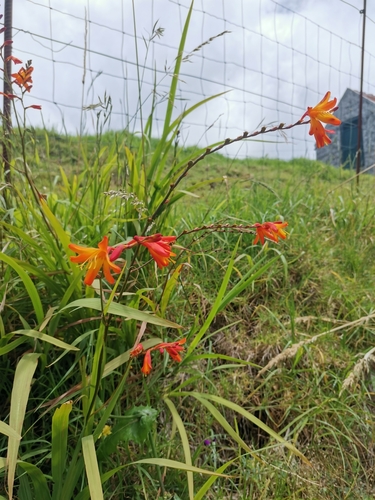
(147, 367)
(23, 78)
(14, 59)
(173, 349)
(95, 258)
(322, 112)
(159, 247)
(271, 230)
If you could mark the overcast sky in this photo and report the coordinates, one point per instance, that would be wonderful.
(279, 57)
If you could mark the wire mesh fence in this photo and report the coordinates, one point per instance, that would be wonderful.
(272, 58)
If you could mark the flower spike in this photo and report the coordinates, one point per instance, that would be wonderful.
(172, 348)
(271, 230)
(158, 245)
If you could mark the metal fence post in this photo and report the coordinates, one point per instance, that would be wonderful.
(7, 89)
(358, 169)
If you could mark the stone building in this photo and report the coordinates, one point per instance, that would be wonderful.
(342, 151)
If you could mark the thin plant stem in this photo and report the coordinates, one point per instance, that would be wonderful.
(112, 401)
(98, 363)
(209, 151)
(153, 448)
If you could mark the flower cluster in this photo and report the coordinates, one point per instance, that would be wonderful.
(22, 78)
(271, 230)
(172, 348)
(158, 245)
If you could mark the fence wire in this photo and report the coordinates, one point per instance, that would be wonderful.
(273, 58)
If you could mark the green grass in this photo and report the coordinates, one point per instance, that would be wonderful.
(325, 278)
(329, 281)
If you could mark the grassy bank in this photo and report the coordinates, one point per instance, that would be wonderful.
(321, 284)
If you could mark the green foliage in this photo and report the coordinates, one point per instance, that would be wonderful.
(134, 425)
(272, 332)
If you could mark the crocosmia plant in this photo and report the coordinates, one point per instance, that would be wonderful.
(110, 339)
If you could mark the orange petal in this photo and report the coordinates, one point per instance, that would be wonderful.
(147, 367)
(91, 275)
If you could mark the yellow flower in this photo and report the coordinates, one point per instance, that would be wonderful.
(107, 430)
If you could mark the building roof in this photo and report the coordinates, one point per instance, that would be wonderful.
(371, 97)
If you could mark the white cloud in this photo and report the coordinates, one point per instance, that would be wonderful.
(274, 61)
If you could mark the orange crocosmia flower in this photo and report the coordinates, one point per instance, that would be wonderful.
(173, 349)
(271, 230)
(95, 258)
(159, 247)
(23, 78)
(322, 112)
(147, 367)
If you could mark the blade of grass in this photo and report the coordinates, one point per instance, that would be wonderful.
(38, 479)
(62, 235)
(29, 285)
(216, 305)
(223, 356)
(60, 422)
(20, 395)
(92, 468)
(185, 444)
(46, 338)
(171, 97)
(162, 462)
(124, 311)
(30, 242)
(210, 481)
(173, 464)
(225, 424)
(245, 281)
(235, 407)
(169, 287)
(12, 345)
(74, 473)
(8, 431)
